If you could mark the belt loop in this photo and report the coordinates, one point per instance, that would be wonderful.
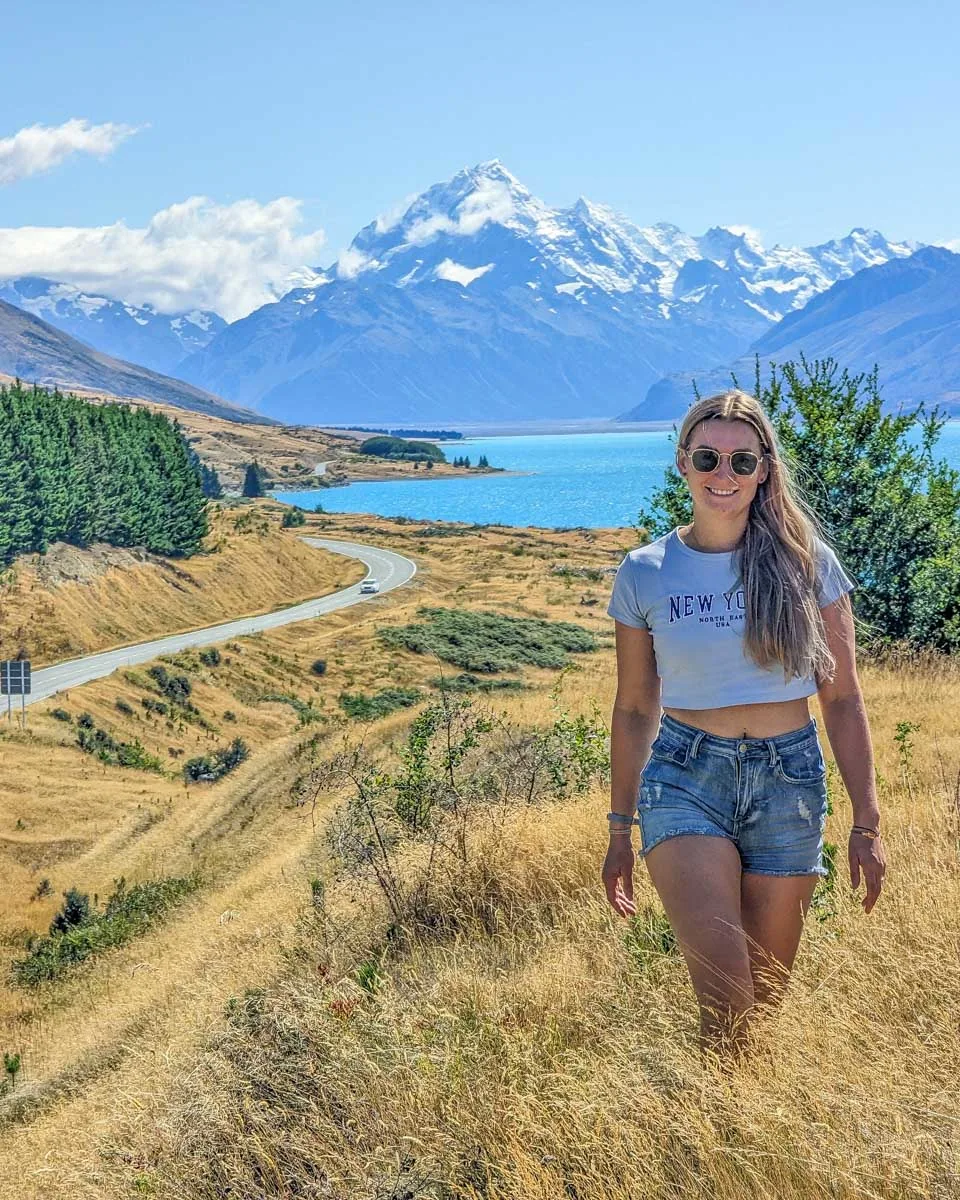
(695, 746)
(772, 747)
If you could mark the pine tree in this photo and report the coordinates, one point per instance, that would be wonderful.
(253, 481)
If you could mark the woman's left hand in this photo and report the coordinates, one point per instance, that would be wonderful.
(866, 855)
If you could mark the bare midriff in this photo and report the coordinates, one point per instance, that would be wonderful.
(747, 720)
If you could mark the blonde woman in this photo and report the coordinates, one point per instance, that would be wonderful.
(730, 624)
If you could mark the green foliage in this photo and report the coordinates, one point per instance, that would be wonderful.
(888, 506)
(319, 666)
(81, 472)
(485, 641)
(306, 711)
(371, 708)
(126, 914)
(465, 682)
(61, 714)
(123, 707)
(402, 448)
(210, 657)
(175, 687)
(207, 768)
(157, 706)
(293, 517)
(74, 911)
(119, 754)
(253, 481)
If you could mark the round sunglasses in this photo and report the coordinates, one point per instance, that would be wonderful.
(742, 462)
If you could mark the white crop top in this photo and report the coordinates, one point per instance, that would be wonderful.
(692, 603)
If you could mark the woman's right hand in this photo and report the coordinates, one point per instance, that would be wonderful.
(617, 875)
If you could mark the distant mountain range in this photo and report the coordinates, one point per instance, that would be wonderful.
(35, 352)
(904, 315)
(137, 334)
(481, 303)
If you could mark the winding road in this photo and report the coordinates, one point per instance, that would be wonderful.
(392, 571)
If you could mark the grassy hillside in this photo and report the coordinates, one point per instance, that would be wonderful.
(71, 602)
(272, 1037)
(289, 454)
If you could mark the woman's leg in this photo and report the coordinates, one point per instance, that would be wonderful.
(698, 879)
(773, 908)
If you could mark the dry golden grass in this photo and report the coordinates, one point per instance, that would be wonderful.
(72, 602)
(549, 1058)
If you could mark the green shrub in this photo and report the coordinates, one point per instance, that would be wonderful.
(85, 721)
(122, 706)
(319, 667)
(175, 687)
(485, 641)
(293, 517)
(371, 708)
(465, 682)
(121, 754)
(229, 715)
(74, 911)
(210, 657)
(157, 706)
(207, 768)
(61, 714)
(83, 932)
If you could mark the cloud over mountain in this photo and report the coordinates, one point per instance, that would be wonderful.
(196, 254)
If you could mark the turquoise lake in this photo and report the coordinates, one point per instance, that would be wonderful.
(590, 479)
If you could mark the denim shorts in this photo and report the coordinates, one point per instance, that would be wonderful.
(767, 795)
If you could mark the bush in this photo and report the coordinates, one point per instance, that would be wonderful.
(156, 706)
(380, 704)
(465, 682)
(74, 911)
(484, 641)
(85, 721)
(61, 714)
(79, 932)
(207, 768)
(319, 666)
(293, 516)
(891, 510)
(210, 657)
(175, 687)
(230, 715)
(120, 754)
(122, 706)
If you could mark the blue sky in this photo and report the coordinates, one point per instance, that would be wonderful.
(801, 121)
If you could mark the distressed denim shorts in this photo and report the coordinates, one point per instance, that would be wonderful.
(767, 795)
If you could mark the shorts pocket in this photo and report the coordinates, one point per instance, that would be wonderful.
(802, 764)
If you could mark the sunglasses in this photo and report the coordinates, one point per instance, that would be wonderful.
(742, 462)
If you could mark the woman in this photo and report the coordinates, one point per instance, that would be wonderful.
(739, 617)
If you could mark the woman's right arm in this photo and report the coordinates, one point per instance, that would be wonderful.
(636, 716)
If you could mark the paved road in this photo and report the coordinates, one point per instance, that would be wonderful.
(392, 570)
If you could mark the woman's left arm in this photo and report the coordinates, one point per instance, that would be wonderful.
(845, 718)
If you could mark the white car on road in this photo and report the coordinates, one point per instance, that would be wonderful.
(370, 585)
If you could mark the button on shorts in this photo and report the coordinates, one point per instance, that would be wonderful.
(766, 795)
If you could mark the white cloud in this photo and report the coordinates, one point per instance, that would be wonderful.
(490, 200)
(40, 147)
(393, 216)
(351, 262)
(196, 254)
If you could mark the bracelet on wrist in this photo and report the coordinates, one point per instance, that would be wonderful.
(624, 819)
(865, 831)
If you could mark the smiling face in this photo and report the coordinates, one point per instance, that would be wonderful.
(722, 491)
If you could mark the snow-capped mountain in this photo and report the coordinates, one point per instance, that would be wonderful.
(135, 333)
(902, 315)
(483, 302)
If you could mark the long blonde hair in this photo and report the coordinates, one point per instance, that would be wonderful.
(776, 559)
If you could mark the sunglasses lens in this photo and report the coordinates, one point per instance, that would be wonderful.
(743, 462)
(705, 460)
